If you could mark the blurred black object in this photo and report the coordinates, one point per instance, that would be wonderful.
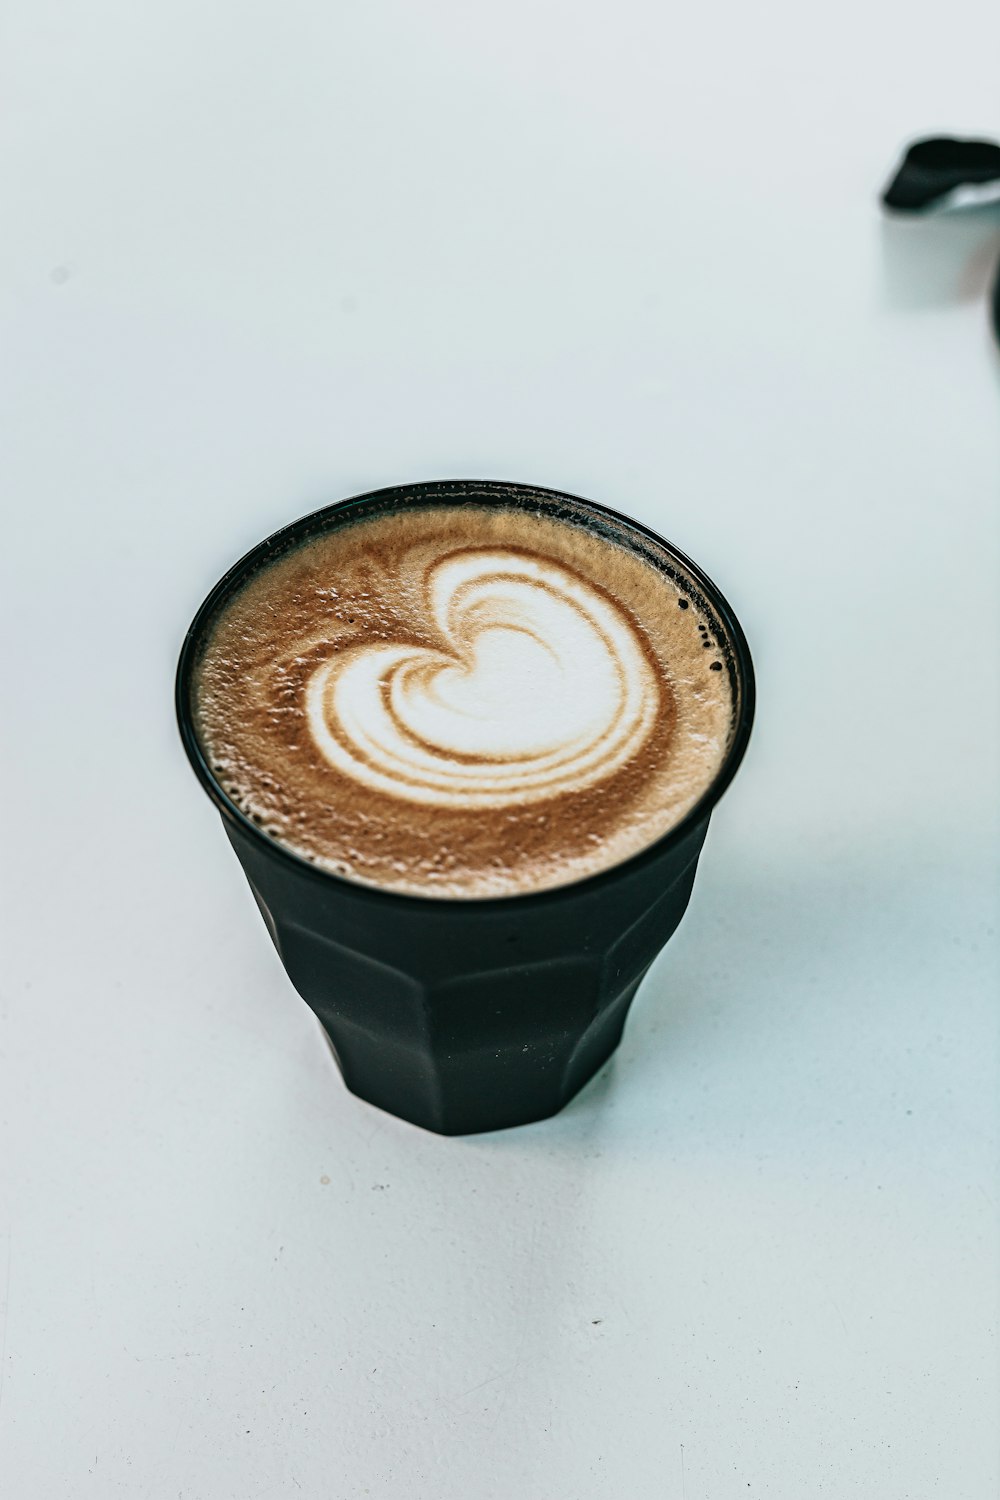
(934, 168)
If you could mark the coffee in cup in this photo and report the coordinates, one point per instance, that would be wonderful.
(466, 738)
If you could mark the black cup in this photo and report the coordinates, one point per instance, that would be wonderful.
(470, 1015)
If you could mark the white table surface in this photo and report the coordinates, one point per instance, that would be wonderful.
(256, 258)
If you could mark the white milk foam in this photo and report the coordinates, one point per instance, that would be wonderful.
(544, 689)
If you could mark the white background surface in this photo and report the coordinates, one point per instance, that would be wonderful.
(256, 258)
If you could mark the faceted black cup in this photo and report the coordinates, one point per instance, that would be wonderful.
(471, 1015)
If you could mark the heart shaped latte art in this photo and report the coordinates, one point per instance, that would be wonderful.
(541, 687)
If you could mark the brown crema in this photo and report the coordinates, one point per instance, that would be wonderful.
(465, 700)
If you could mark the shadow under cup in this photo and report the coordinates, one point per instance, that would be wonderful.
(471, 1015)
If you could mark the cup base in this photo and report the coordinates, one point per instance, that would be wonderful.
(493, 1100)
(465, 1019)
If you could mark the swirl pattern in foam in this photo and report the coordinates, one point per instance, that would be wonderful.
(543, 688)
(465, 700)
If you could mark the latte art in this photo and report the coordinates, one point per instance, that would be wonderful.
(541, 688)
(465, 700)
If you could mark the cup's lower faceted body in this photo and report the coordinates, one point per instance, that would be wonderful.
(470, 1016)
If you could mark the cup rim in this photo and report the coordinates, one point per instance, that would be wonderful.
(442, 491)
